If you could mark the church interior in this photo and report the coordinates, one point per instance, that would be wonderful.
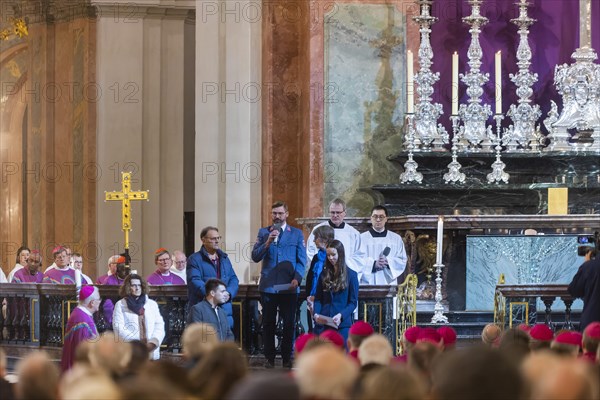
(131, 126)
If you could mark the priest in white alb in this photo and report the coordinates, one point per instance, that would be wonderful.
(385, 258)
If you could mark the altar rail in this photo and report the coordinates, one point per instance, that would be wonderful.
(35, 315)
(520, 301)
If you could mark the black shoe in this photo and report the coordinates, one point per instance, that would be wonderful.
(269, 364)
(287, 365)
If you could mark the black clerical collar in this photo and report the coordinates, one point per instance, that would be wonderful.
(342, 225)
(374, 233)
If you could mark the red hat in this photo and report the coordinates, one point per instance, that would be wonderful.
(524, 327)
(161, 250)
(411, 334)
(569, 337)
(429, 335)
(541, 332)
(448, 335)
(333, 337)
(361, 328)
(302, 340)
(120, 260)
(592, 331)
(58, 249)
(86, 292)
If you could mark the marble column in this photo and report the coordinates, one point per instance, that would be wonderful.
(140, 60)
(228, 126)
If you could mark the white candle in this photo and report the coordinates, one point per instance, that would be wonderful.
(455, 83)
(410, 84)
(440, 236)
(498, 83)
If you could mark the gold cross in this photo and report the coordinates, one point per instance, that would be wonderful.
(125, 197)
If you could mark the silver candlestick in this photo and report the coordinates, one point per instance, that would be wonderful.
(438, 309)
(474, 115)
(454, 175)
(579, 85)
(428, 131)
(498, 175)
(410, 173)
(522, 134)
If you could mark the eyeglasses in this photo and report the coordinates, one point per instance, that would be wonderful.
(135, 285)
(378, 217)
(163, 260)
(180, 262)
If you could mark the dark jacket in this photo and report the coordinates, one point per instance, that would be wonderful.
(344, 302)
(200, 269)
(204, 312)
(310, 275)
(586, 285)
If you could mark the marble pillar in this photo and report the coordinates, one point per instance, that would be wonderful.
(228, 127)
(140, 69)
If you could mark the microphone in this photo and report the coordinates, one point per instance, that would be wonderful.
(385, 252)
(276, 226)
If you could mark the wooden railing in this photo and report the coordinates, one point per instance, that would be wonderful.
(35, 315)
(518, 303)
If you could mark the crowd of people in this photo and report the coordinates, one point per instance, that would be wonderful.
(337, 358)
(528, 363)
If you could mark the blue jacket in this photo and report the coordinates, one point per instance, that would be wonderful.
(200, 269)
(283, 261)
(344, 302)
(204, 312)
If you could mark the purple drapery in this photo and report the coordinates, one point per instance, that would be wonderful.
(553, 38)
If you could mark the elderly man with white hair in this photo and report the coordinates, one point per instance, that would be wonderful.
(112, 269)
(80, 326)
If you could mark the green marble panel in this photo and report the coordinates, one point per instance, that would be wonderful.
(365, 92)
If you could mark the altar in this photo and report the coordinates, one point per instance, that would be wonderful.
(540, 259)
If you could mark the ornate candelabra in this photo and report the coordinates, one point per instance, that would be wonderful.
(454, 175)
(498, 175)
(429, 132)
(579, 86)
(474, 134)
(438, 309)
(524, 115)
(410, 173)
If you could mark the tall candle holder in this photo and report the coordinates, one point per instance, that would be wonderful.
(438, 309)
(454, 175)
(522, 134)
(474, 114)
(410, 173)
(432, 135)
(498, 175)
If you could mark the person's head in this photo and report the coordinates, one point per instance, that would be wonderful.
(448, 335)
(323, 235)
(89, 297)
(110, 354)
(210, 239)
(409, 338)
(279, 212)
(591, 337)
(337, 211)
(567, 343)
(359, 331)
(395, 382)
(60, 257)
(379, 215)
(216, 291)
(376, 349)
(22, 255)
(335, 272)
(34, 261)
(134, 285)
(218, 371)
(490, 335)
(38, 377)
(77, 261)
(476, 372)
(69, 252)
(325, 373)
(198, 339)
(122, 269)
(162, 259)
(421, 359)
(180, 260)
(540, 337)
(515, 343)
(265, 386)
(112, 264)
(83, 382)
